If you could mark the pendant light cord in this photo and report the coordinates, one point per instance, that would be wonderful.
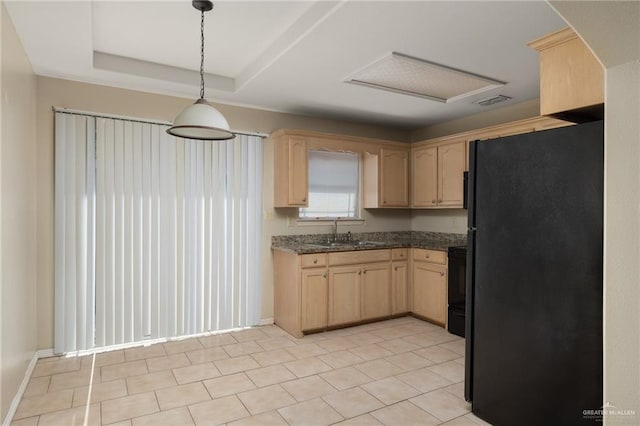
(202, 54)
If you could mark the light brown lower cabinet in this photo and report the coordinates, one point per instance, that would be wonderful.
(430, 291)
(316, 291)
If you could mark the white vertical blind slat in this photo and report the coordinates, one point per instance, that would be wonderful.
(155, 236)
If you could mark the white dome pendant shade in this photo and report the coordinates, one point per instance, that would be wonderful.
(201, 120)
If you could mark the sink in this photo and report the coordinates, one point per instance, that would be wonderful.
(369, 243)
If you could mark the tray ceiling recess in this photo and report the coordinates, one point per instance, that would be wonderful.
(407, 75)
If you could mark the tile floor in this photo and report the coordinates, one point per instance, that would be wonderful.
(397, 372)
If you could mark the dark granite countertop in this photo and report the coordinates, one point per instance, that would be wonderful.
(315, 243)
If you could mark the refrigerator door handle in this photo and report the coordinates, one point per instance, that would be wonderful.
(469, 301)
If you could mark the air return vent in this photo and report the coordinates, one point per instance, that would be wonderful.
(493, 100)
(416, 77)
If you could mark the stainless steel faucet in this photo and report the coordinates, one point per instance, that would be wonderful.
(335, 230)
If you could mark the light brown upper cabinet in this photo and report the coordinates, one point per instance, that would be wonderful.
(386, 178)
(291, 172)
(571, 78)
(437, 175)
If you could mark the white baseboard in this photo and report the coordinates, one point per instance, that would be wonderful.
(23, 387)
(266, 321)
(45, 353)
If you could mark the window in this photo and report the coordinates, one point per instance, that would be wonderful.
(333, 185)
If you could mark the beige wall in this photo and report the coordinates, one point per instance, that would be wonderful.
(445, 220)
(17, 213)
(109, 100)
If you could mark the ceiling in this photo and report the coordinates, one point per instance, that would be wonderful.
(289, 56)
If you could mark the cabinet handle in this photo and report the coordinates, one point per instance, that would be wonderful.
(324, 275)
(433, 201)
(395, 269)
(442, 274)
(315, 260)
(359, 272)
(365, 271)
(384, 202)
(439, 201)
(426, 256)
(304, 200)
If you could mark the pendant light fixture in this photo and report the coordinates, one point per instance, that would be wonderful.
(201, 120)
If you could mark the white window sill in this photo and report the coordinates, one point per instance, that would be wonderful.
(324, 222)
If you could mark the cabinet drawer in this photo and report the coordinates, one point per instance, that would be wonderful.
(364, 256)
(433, 256)
(399, 254)
(313, 260)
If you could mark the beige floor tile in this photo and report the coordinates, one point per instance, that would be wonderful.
(74, 379)
(236, 365)
(126, 369)
(218, 411)
(99, 392)
(229, 385)
(307, 367)
(450, 370)
(308, 388)
(31, 421)
(176, 417)
(456, 390)
(337, 344)
(409, 361)
(441, 404)
(460, 360)
(404, 414)
(80, 416)
(456, 346)
(352, 402)
(115, 410)
(270, 418)
(273, 343)
(244, 348)
(266, 376)
(249, 334)
(46, 403)
(341, 359)
(379, 369)
(437, 354)
(181, 395)
(217, 340)
(424, 340)
(195, 373)
(122, 423)
(366, 338)
(37, 386)
(150, 382)
(102, 359)
(393, 332)
(277, 356)
(424, 380)
(460, 421)
(306, 350)
(57, 366)
(207, 355)
(369, 352)
(314, 412)
(390, 390)
(144, 352)
(167, 362)
(346, 378)
(398, 346)
(266, 399)
(363, 420)
(477, 420)
(180, 346)
(273, 331)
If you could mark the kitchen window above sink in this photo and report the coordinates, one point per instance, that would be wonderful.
(333, 185)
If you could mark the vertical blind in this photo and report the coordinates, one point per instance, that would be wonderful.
(155, 236)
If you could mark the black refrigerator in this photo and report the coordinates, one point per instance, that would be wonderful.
(534, 277)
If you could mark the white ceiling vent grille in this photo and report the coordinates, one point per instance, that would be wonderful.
(416, 77)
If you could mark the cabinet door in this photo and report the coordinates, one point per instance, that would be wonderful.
(376, 291)
(394, 178)
(424, 179)
(314, 298)
(399, 281)
(344, 294)
(451, 162)
(430, 291)
(298, 172)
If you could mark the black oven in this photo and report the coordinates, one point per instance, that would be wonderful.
(457, 289)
